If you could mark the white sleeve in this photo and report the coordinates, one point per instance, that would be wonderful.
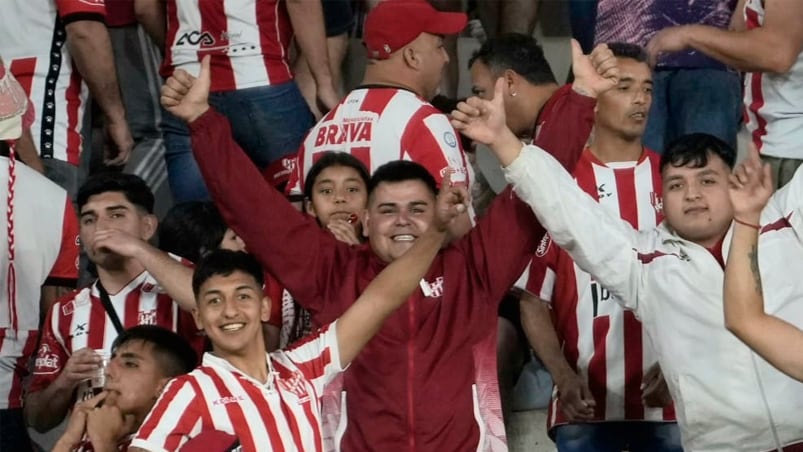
(599, 242)
(317, 356)
(788, 199)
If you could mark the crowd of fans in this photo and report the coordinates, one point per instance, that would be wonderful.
(267, 260)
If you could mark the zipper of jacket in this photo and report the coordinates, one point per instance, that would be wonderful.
(411, 373)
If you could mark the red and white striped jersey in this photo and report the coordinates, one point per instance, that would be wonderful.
(602, 341)
(247, 39)
(79, 320)
(33, 45)
(379, 124)
(773, 101)
(46, 251)
(281, 414)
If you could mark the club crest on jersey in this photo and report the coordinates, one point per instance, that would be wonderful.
(148, 287)
(657, 202)
(147, 317)
(543, 247)
(46, 362)
(295, 384)
(432, 289)
(449, 138)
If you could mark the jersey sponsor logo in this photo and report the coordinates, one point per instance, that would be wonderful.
(46, 362)
(351, 132)
(543, 247)
(229, 399)
(147, 317)
(450, 139)
(646, 258)
(599, 294)
(194, 38)
(80, 330)
(295, 385)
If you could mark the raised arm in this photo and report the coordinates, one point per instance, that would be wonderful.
(249, 204)
(151, 15)
(599, 242)
(394, 285)
(774, 339)
(773, 47)
(306, 16)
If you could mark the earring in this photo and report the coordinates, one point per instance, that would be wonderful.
(514, 94)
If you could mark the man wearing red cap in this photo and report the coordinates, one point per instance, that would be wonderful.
(389, 116)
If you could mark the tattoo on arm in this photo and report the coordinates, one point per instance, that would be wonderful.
(753, 256)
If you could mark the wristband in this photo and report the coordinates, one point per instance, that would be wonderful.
(744, 223)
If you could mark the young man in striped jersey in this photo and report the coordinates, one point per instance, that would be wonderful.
(272, 401)
(137, 284)
(143, 359)
(595, 350)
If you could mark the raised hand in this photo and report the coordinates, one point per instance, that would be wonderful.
(453, 201)
(482, 120)
(594, 73)
(106, 425)
(750, 187)
(117, 242)
(185, 96)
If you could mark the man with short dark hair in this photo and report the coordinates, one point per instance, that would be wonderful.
(143, 359)
(423, 358)
(270, 401)
(595, 350)
(134, 280)
(671, 277)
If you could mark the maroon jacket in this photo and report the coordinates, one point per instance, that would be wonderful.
(411, 386)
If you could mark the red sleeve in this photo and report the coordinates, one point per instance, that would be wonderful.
(502, 243)
(564, 125)
(273, 290)
(289, 244)
(65, 269)
(71, 10)
(51, 355)
(433, 143)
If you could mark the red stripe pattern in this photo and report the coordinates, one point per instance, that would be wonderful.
(600, 340)
(391, 124)
(280, 414)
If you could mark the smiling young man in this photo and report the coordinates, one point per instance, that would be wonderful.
(143, 359)
(672, 277)
(272, 401)
(134, 278)
(424, 358)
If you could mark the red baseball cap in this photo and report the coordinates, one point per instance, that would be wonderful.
(393, 24)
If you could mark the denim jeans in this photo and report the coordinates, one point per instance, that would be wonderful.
(693, 100)
(635, 436)
(268, 122)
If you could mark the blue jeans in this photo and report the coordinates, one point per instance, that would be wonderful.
(268, 122)
(635, 436)
(693, 100)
